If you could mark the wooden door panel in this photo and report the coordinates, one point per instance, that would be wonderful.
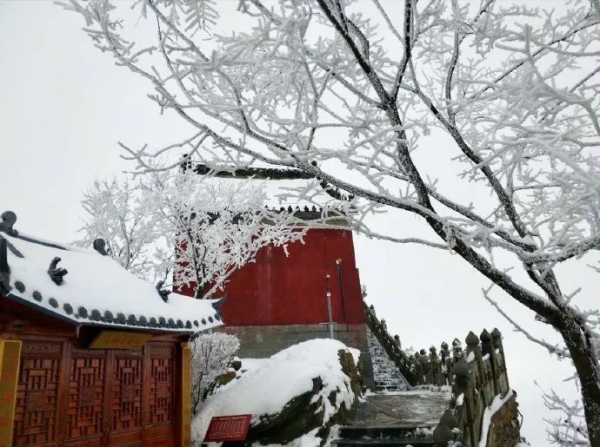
(125, 404)
(95, 398)
(38, 394)
(126, 439)
(160, 436)
(85, 401)
(161, 386)
(162, 396)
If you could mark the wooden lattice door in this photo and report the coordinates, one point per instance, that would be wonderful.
(85, 415)
(162, 401)
(37, 409)
(125, 403)
(94, 398)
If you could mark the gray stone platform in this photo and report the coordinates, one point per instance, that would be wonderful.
(405, 418)
(416, 408)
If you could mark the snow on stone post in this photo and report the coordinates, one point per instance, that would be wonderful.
(479, 397)
(474, 354)
(460, 388)
(487, 349)
(503, 377)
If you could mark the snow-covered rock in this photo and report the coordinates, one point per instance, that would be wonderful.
(303, 389)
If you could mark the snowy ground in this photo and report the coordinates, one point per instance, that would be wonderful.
(267, 385)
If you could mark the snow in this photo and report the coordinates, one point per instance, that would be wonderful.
(97, 282)
(289, 373)
(496, 404)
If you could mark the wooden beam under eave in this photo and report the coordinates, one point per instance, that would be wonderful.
(10, 356)
(186, 397)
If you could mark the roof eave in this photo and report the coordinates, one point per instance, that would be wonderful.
(90, 323)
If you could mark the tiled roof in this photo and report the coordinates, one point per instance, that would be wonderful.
(84, 287)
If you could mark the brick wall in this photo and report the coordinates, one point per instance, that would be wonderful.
(264, 341)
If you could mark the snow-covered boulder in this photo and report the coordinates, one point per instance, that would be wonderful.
(306, 388)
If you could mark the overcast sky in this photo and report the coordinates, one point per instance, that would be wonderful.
(64, 106)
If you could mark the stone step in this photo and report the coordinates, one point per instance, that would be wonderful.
(370, 432)
(392, 442)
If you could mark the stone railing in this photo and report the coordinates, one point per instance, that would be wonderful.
(390, 344)
(477, 379)
(476, 374)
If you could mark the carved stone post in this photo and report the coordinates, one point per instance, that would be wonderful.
(419, 369)
(497, 342)
(398, 342)
(425, 366)
(436, 367)
(443, 433)
(487, 349)
(446, 367)
(461, 387)
(474, 352)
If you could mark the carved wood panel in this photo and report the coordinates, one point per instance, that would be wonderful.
(126, 402)
(87, 381)
(36, 410)
(92, 398)
(162, 384)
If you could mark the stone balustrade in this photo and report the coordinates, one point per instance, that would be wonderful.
(476, 374)
(477, 379)
(390, 344)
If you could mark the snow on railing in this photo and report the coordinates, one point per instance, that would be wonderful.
(478, 379)
(390, 344)
(477, 376)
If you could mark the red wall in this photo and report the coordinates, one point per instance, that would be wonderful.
(278, 290)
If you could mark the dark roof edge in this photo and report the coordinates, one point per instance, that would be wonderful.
(42, 309)
(88, 323)
(4, 268)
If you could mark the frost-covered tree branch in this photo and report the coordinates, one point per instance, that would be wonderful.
(208, 227)
(479, 118)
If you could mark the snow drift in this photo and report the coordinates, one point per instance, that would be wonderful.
(311, 385)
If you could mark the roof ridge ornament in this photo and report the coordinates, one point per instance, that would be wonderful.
(4, 268)
(8, 220)
(217, 304)
(56, 273)
(164, 293)
(100, 246)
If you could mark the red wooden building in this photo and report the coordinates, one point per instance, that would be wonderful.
(89, 354)
(278, 300)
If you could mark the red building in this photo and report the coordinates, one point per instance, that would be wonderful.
(279, 300)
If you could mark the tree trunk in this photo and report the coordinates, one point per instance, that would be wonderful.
(578, 341)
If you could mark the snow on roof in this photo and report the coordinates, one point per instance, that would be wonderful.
(95, 291)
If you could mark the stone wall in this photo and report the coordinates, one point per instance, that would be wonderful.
(504, 428)
(264, 341)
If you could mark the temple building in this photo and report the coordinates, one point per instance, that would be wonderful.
(312, 291)
(89, 354)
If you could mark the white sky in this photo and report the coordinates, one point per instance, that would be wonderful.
(64, 106)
